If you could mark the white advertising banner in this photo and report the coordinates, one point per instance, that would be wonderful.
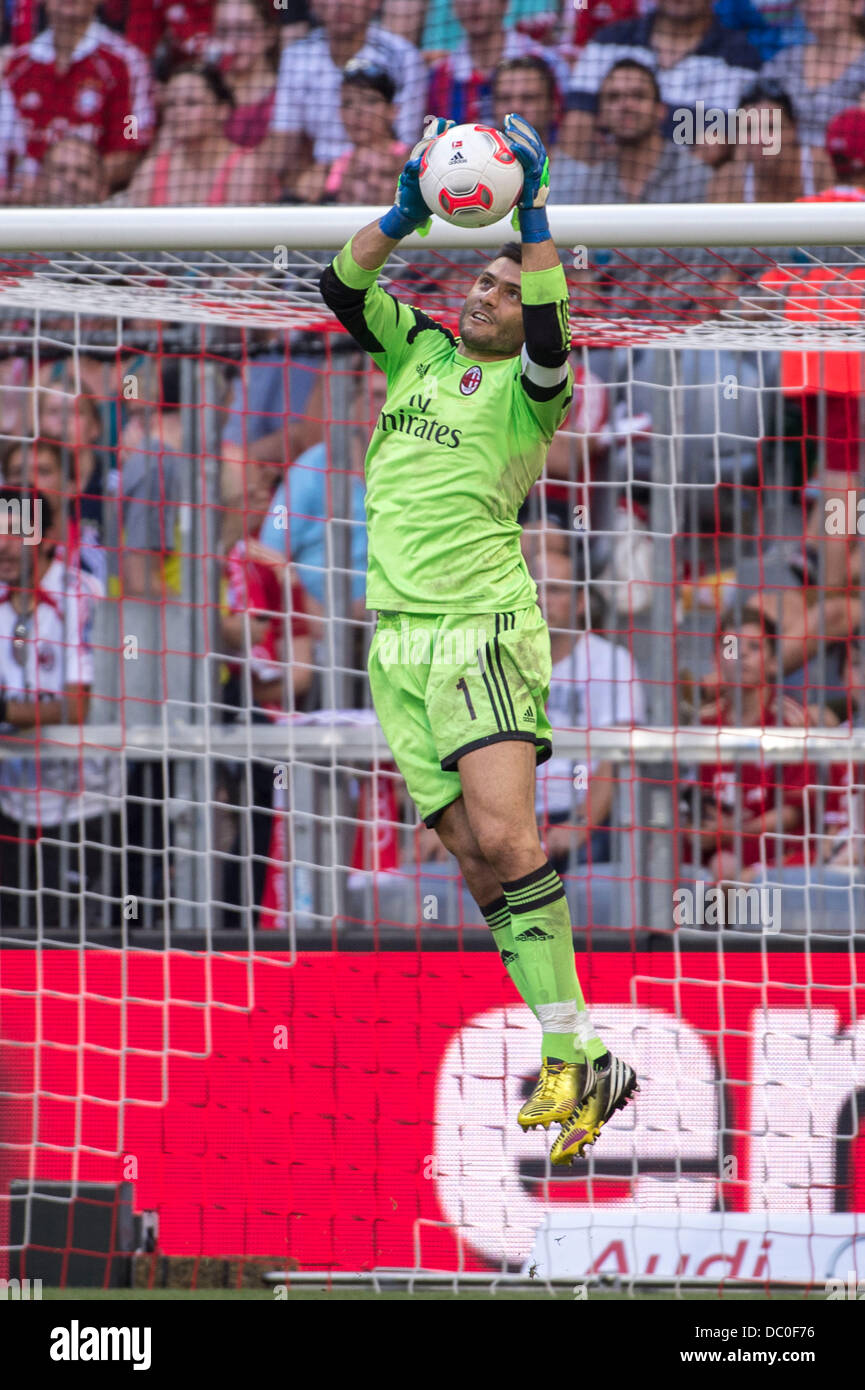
(717, 1246)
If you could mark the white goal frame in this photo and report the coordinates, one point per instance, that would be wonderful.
(64, 269)
(313, 228)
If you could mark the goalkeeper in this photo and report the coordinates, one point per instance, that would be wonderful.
(459, 664)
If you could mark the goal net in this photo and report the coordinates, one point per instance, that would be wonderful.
(249, 1010)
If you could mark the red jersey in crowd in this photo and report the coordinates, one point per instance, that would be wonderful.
(106, 82)
(753, 785)
(841, 813)
(186, 24)
(596, 14)
(254, 587)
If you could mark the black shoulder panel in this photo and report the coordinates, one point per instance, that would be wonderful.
(423, 321)
(348, 305)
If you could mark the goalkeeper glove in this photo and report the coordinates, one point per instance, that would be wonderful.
(410, 213)
(530, 215)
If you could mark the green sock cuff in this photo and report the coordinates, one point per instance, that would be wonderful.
(538, 889)
(497, 914)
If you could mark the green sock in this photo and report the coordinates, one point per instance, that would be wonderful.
(498, 919)
(541, 925)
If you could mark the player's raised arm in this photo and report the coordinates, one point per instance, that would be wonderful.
(378, 322)
(547, 378)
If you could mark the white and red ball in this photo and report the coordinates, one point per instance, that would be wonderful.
(469, 176)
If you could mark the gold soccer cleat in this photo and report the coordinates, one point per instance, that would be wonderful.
(560, 1086)
(611, 1091)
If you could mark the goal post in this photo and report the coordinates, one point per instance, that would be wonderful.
(222, 930)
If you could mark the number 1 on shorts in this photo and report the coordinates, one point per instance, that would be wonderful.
(461, 685)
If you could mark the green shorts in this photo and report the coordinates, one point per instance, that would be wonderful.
(443, 686)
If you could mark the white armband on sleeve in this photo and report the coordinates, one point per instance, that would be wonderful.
(543, 376)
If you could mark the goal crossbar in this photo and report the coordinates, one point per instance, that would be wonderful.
(314, 228)
(683, 275)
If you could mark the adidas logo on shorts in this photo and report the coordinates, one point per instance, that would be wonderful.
(528, 714)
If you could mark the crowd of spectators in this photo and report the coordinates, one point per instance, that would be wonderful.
(257, 101)
(316, 101)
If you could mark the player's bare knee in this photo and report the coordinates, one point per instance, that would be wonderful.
(475, 870)
(456, 833)
(458, 838)
(509, 849)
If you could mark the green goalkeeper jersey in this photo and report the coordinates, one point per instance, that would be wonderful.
(456, 449)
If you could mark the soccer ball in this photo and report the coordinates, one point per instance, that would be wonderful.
(469, 176)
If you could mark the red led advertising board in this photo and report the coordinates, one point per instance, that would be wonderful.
(358, 1110)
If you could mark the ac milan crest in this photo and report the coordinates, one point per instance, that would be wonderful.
(471, 380)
